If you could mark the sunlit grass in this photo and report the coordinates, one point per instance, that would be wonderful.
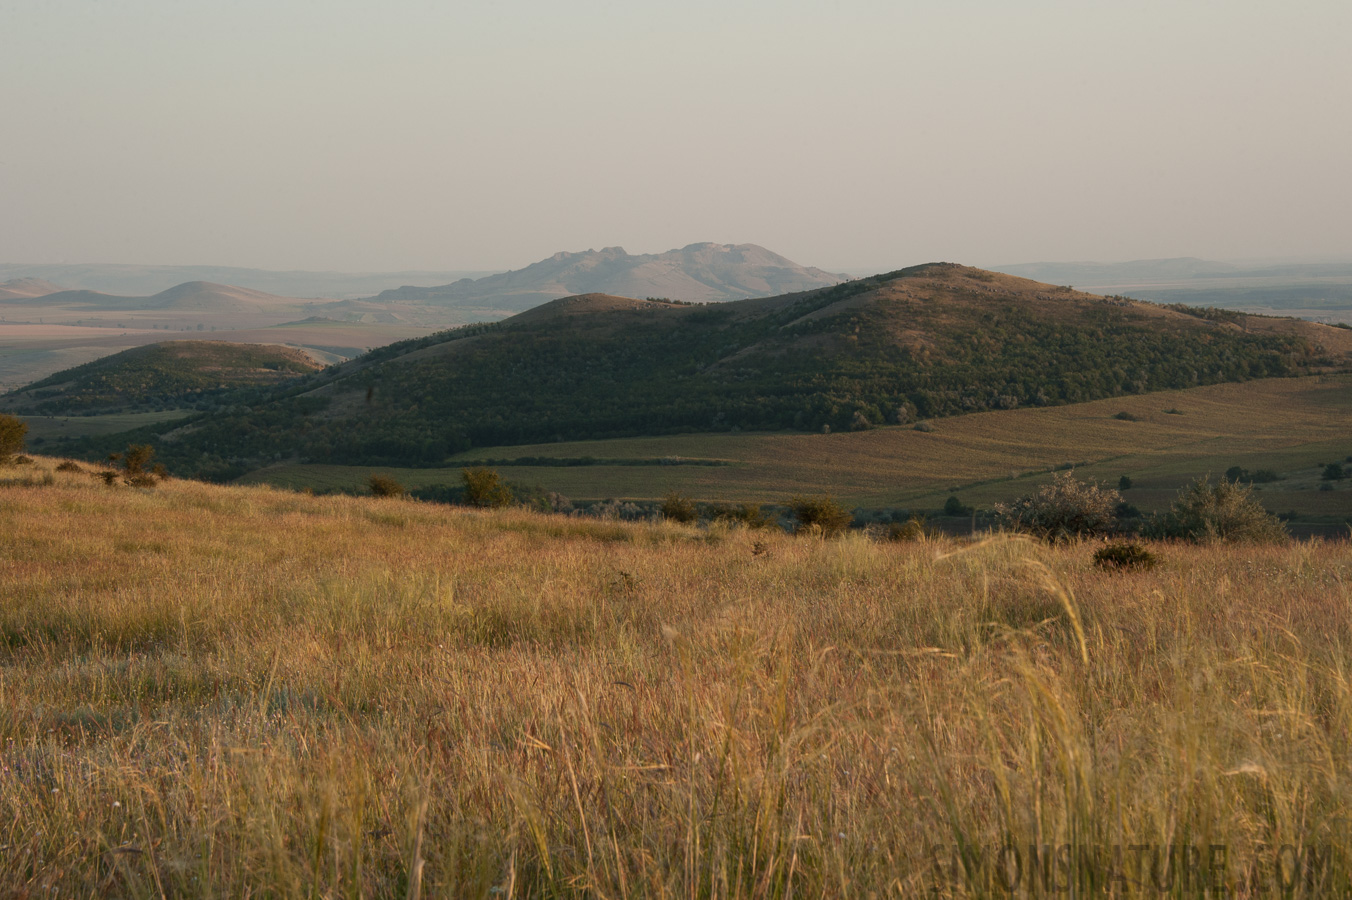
(223, 691)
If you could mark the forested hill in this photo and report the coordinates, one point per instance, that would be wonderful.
(932, 340)
(168, 375)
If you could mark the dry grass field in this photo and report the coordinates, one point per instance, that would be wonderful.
(242, 691)
(1285, 424)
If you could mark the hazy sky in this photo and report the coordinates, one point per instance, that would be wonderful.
(849, 135)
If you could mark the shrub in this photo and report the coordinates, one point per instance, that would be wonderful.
(954, 507)
(1126, 417)
(924, 426)
(137, 458)
(109, 476)
(1224, 511)
(484, 487)
(385, 486)
(1125, 556)
(1124, 483)
(1261, 476)
(69, 466)
(678, 508)
(913, 529)
(820, 514)
(1066, 508)
(1333, 472)
(747, 514)
(12, 432)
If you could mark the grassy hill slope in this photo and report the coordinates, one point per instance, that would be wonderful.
(216, 691)
(1289, 425)
(165, 375)
(935, 340)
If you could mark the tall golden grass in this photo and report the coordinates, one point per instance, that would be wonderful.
(234, 692)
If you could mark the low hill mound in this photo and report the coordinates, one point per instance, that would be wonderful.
(698, 273)
(26, 289)
(929, 341)
(166, 375)
(192, 296)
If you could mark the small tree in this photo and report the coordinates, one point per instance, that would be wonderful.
(678, 508)
(955, 507)
(137, 459)
(1064, 509)
(384, 486)
(1334, 472)
(1124, 483)
(1224, 511)
(484, 487)
(820, 514)
(12, 432)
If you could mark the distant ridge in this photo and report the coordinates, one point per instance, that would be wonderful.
(26, 288)
(190, 296)
(702, 272)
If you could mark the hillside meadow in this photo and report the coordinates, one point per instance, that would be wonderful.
(244, 691)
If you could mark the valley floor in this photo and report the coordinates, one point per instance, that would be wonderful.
(225, 691)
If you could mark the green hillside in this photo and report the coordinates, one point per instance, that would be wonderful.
(930, 341)
(160, 376)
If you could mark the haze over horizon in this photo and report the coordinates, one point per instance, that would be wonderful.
(856, 137)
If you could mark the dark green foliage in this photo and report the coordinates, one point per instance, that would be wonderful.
(484, 487)
(1125, 510)
(1125, 556)
(1064, 509)
(1126, 417)
(12, 432)
(1224, 511)
(384, 486)
(1124, 483)
(748, 515)
(1261, 476)
(678, 508)
(1333, 472)
(955, 507)
(820, 515)
(170, 375)
(137, 459)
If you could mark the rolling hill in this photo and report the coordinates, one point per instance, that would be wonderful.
(26, 289)
(166, 375)
(193, 296)
(697, 273)
(929, 341)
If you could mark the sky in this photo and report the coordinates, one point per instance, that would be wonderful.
(854, 135)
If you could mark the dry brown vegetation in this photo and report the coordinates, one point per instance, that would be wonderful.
(240, 691)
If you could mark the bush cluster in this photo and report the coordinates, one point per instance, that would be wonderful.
(1223, 511)
(820, 515)
(1064, 509)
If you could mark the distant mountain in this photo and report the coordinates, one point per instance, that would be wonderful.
(147, 280)
(928, 341)
(193, 296)
(698, 273)
(26, 289)
(167, 375)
